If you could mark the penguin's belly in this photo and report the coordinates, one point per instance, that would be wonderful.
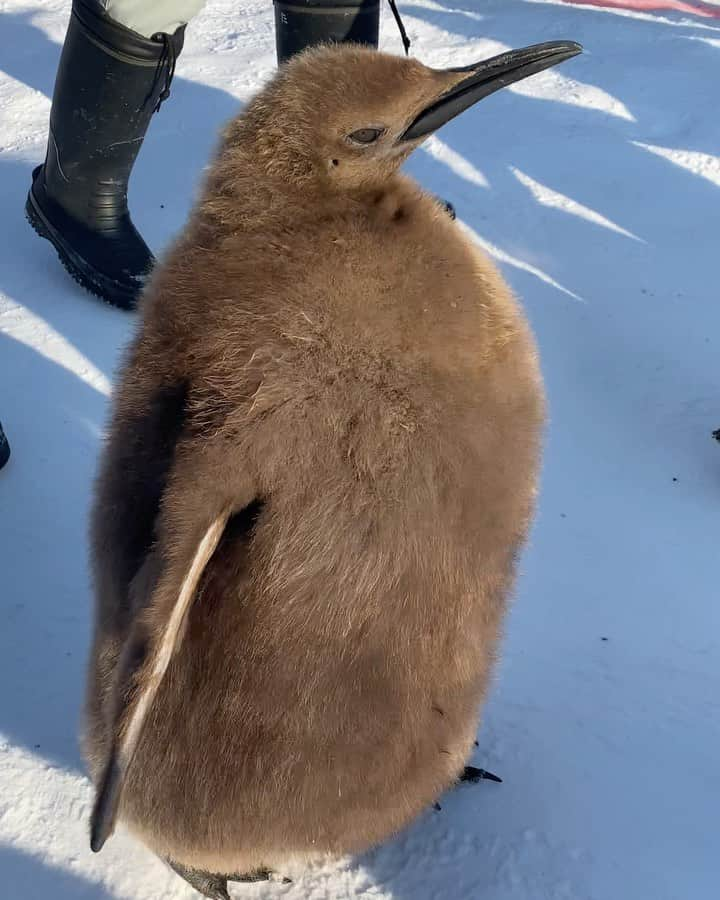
(258, 752)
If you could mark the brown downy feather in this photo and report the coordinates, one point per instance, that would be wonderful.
(327, 362)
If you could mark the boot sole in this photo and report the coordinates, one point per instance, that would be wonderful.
(80, 270)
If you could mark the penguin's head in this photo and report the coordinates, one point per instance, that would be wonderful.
(348, 115)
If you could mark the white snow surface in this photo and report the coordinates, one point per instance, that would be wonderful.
(597, 188)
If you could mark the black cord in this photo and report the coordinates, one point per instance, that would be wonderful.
(171, 56)
(401, 26)
(165, 67)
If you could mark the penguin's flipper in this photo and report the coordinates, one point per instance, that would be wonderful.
(190, 527)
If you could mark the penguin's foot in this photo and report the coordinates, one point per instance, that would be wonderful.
(251, 877)
(474, 775)
(212, 886)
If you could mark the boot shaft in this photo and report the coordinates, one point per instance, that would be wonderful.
(303, 23)
(109, 82)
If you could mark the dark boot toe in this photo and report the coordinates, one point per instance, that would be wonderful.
(112, 264)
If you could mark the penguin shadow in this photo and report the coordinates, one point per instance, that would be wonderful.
(22, 873)
(53, 418)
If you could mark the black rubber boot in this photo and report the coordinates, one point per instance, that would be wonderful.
(109, 82)
(302, 23)
(4, 448)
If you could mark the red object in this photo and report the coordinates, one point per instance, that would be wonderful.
(695, 9)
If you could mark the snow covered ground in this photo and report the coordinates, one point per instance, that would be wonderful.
(597, 187)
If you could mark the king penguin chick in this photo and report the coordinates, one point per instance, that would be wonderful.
(321, 467)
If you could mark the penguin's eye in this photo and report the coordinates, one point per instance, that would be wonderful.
(366, 135)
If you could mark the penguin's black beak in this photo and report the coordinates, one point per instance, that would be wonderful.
(484, 78)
